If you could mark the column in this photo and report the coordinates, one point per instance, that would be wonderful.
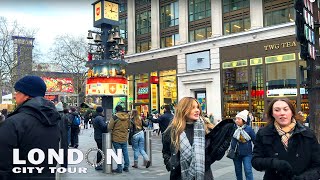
(256, 13)
(155, 25)
(131, 20)
(183, 21)
(216, 18)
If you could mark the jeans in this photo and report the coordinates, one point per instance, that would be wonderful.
(247, 166)
(99, 144)
(138, 146)
(124, 147)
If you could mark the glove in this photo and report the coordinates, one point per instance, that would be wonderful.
(282, 166)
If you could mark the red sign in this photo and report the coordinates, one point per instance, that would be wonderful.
(154, 79)
(143, 90)
(53, 98)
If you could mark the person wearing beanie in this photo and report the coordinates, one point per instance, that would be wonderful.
(241, 143)
(100, 126)
(119, 125)
(33, 124)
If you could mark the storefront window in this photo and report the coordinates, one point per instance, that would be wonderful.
(303, 87)
(257, 89)
(235, 90)
(142, 88)
(168, 87)
(154, 90)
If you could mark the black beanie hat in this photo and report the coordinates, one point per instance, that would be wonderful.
(99, 109)
(32, 86)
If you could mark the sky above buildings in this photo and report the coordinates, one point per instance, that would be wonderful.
(50, 17)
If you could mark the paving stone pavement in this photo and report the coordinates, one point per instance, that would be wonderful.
(222, 170)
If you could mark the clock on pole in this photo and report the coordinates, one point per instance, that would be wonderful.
(105, 12)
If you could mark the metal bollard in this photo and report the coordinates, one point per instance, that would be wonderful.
(106, 144)
(147, 145)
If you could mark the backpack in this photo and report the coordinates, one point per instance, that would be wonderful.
(76, 120)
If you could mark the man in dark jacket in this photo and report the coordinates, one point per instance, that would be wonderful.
(75, 129)
(164, 120)
(33, 124)
(63, 125)
(100, 126)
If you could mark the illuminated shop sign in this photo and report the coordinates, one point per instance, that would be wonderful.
(285, 92)
(142, 91)
(115, 86)
(59, 84)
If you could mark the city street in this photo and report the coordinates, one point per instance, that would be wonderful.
(222, 170)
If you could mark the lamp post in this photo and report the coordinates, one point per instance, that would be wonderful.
(106, 74)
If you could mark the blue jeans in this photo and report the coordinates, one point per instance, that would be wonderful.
(138, 146)
(124, 147)
(247, 166)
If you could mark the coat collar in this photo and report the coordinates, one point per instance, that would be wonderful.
(271, 130)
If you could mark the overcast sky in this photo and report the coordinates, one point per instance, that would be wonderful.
(50, 17)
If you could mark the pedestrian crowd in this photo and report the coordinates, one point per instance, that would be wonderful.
(284, 149)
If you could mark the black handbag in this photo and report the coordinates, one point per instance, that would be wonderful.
(232, 152)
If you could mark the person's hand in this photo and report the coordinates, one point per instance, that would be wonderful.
(282, 166)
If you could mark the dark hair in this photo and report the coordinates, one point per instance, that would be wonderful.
(73, 109)
(66, 111)
(167, 108)
(119, 108)
(270, 118)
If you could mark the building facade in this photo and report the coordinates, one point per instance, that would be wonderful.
(229, 54)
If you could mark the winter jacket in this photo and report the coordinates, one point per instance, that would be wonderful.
(216, 143)
(100, 126)
(164, 120)
(119, 126)
(72, 116)
(34, 124)
(63, 125)
(303, 153)
(244, 149)
(134, 127)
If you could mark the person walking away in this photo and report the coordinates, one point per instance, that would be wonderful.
(242, 143)
(87, 117)
(63, 125)
(100, 126)
(75, 129)
(138, 138)
(119, 125)
(191, 145)
(164, 120)
(33, 124)
(284, 148)
(66, 112)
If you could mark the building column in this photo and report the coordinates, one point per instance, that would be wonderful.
(131, 20)
(256, 13)
(183, 21)
(216, 18)
(155, 24)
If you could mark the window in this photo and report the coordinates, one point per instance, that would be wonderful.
(236, 16)
(142, 46)
(200, 34)
(143, 23)
(278, 12)
(169, 41)
(123, 6)
(169, 15)
(199, 9)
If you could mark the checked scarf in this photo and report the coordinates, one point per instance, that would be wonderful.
(285, 132)
(192, 157)
(241, 135)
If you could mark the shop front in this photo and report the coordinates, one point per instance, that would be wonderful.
(254, 73)
(152, 84)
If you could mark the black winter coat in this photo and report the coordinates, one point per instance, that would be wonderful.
(217, 142)
(164, 120)
(34, 124)
(303, 153)
(100, 126)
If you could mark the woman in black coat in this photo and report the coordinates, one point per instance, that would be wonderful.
(285, 149)
(191, 144)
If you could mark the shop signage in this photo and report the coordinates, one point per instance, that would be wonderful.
(59, 84)
(154, 79)
(288, 44)
(103, 86)
(282, 92)
(142, 90)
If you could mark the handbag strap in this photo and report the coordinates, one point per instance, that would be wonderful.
(235, 149)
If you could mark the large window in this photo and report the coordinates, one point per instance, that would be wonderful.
(123, 31)
(236, 16)
(169, 15)
(143, 23)
(170, 40)
(200, 34)
(199, 9)
(278, 11)
(123, 6)
(142, 46)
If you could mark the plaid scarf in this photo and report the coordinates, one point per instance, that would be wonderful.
(192, 157)
(241, 135)
(285, 132)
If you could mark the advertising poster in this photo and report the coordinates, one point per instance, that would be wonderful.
(106, 86)
(59, 84)
(143, 91)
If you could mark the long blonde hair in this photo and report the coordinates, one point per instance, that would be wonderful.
(178, 124)
(137, 119)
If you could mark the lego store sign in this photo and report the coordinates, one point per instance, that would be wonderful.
(143, 90)
(113, 86)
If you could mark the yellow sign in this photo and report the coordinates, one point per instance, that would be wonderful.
(280, 45)
(106, 86)
(97, 11)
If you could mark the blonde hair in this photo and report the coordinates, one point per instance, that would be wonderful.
(182, 110)
(137, 119)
